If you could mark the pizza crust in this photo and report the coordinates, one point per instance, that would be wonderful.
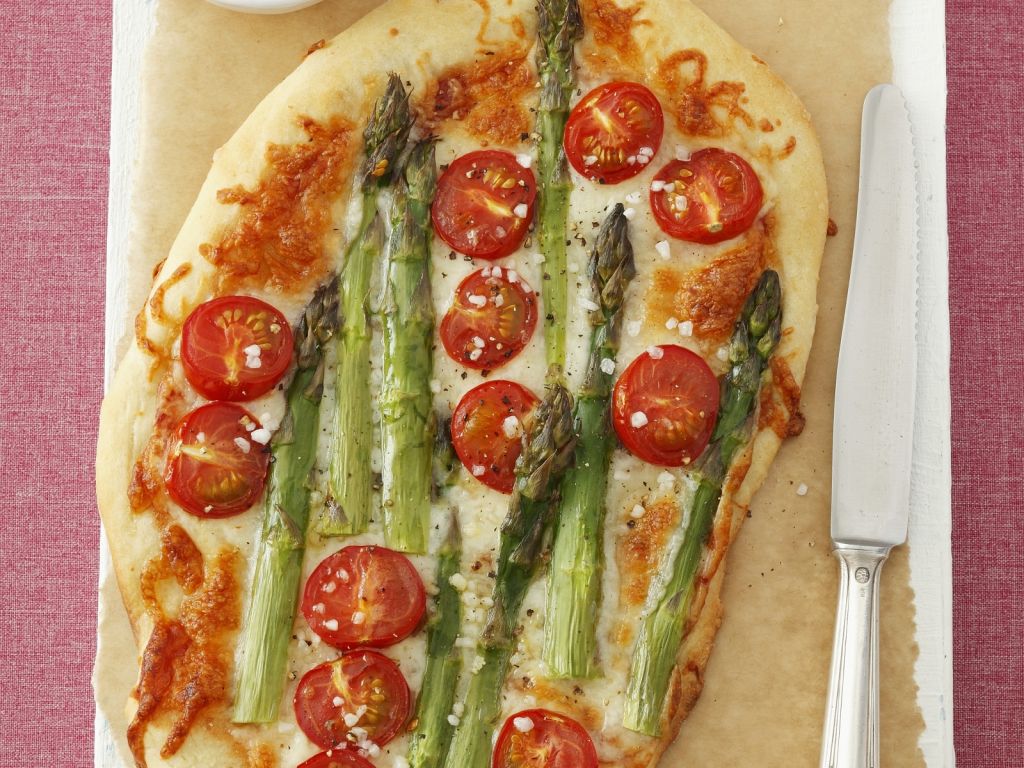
(340, 80)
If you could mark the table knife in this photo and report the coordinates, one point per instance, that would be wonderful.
(873, 429)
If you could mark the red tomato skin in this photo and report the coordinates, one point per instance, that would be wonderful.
(463, 321)
(456, 214)
(397, 586)
(575, 748)
(207, 343)
(337, 758)
(493, 449)
(738, 215)
(690, 380)
(580, 126)
(220, 423)
(321, 720)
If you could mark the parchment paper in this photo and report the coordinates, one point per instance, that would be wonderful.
(764, 694)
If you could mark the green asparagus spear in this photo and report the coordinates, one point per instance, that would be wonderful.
(433, 732)
(275, 581)
(753, 341)
(407, 315)
(351, 481)
(547, 452)
(574, 578)
(559, 26)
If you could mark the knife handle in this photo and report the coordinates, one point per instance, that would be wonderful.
(851, 717)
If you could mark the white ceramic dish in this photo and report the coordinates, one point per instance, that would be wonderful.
(264, 6)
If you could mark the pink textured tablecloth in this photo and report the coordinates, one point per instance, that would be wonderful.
(54, 124)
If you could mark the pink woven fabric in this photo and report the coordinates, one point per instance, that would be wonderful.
(986, 190)
(54, 105)
(54, 123)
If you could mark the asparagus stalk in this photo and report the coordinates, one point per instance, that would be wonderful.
(432, 732)
(753, 341)
(559, 26)
(574, 578)
(547, 452)
(407, 315)
(351, 479)
(275, 582)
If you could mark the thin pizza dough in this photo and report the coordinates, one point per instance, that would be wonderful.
(272, 220)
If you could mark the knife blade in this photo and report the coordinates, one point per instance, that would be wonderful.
(873, 429)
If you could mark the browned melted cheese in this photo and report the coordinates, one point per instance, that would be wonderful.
(779, 407)
(561, 697)
(486, 96)
(186, 662)
(612, 44)
(639, 551)
(146, 486)
(713, 295)
(700, 108)
(278, 242)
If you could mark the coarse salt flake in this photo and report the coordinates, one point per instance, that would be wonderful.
(637, 512)
(607, 365)
(476, 300)
(686, 328)
(253, 350)
(633, 327)
(329, 587)
(523, 724)
(663, 248)
(521, 210)
(801, 489)
(458, 581)
(629, 213)
(722, 354)
(358, 618)
(476, 354)
(590, 159)
(655, 353)
(478, 342)
(253, 362)
(588, 305)
(435, 386)
(261, 435)
(337, 701)
(478, 470)
(657, 185)
(524, 160)
(243, 444)
(510, 426)
(331, 625)
(638, 419)
(671, 323)
(319, 608)
(453, 719)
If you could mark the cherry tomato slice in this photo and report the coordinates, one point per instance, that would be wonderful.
(364, 596)
(337, 758)
(614, 132)
(484, 204)
(713, 196)
(235, 348)
(355, 680)
(491, 320)
(486, 431)
(215, 468)
(664, 406)
(540, 738)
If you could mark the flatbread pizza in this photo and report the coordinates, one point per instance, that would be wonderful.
(454, 388)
